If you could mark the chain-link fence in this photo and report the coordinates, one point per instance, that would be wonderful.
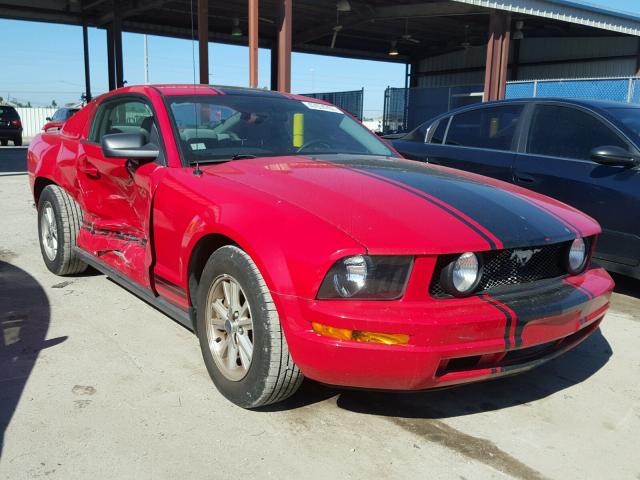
(625, 89)
(406, 108)
(349, 101)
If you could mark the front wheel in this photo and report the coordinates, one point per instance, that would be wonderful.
(59, 221)
(242, 341)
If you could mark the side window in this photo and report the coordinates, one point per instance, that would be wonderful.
(492, 127)
(121, 116)
(567, 132)
(438, 133)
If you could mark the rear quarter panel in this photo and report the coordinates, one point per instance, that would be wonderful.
(53, 156)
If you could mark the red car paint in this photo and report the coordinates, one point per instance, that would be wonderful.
(296, 216)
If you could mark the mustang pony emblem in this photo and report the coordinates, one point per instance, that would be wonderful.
(522, 257)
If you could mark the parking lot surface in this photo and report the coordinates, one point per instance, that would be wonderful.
(95, 383)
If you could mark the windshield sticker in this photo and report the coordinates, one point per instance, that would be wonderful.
(323, 107)
(198, 146)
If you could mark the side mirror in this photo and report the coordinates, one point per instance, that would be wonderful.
(130, 146)
(614, 156)
(48, 119)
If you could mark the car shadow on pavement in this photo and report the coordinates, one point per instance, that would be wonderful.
(24, 321)
(569, 369)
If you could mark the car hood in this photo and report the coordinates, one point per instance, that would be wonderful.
(392, 205)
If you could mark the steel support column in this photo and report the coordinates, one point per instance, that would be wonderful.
(515, 64)
(111, 65)
(274, 66)
(203, 40)
(253, 43)
(495, 79)
(117, 49)
(87, 69)
(415, 71)
(284, 46)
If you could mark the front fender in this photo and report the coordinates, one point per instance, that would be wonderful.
(292, 248)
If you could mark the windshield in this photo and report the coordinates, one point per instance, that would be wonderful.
(629, 117)
(222, 127)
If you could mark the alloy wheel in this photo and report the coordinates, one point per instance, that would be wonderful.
(229, 327)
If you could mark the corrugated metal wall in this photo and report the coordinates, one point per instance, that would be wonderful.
(578, 57)
(33, 119)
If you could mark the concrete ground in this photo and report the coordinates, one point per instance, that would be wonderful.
(96, 384)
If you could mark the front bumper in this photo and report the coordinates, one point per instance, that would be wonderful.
(452, 341)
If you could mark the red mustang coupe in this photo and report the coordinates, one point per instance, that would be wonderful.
(296, 243)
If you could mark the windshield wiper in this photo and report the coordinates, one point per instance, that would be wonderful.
(237, 156)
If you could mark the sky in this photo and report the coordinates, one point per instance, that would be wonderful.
(45, 63)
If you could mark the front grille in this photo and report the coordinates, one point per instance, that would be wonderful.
(514, 266)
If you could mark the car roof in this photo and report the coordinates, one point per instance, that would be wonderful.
(593, 104)
(191, 89)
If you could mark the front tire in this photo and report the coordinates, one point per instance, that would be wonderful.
(242, 342)
(59, 221)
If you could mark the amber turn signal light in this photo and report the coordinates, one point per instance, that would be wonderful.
(359, 335)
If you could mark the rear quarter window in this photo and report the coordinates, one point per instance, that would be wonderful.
(438, 134)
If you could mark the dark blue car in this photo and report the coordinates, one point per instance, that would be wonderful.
(584, 153)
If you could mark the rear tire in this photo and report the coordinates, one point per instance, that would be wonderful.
(18, 142)
(59, 221)
(226, 326)
(4, 143)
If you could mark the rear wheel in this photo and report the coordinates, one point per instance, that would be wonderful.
(240, 335)
(4, 142)
(18, 141)
(59, 221)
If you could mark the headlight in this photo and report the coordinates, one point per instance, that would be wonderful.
(462, 275)
(368, 277)
(577, 257)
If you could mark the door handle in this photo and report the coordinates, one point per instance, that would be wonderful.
(523, 178)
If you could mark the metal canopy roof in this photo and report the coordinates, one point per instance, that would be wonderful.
(366, 31)
(568, 11)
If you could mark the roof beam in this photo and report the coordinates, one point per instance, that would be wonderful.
(131, 9)
(424, 10)
(40, 15)
(417, 10)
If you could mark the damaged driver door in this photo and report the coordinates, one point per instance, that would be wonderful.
(116, 193)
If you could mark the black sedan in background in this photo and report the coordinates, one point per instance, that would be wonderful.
(10, 126)
(584, 153)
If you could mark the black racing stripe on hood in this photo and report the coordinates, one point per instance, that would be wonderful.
(538, 304)
(489, 240)
(515, 221)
